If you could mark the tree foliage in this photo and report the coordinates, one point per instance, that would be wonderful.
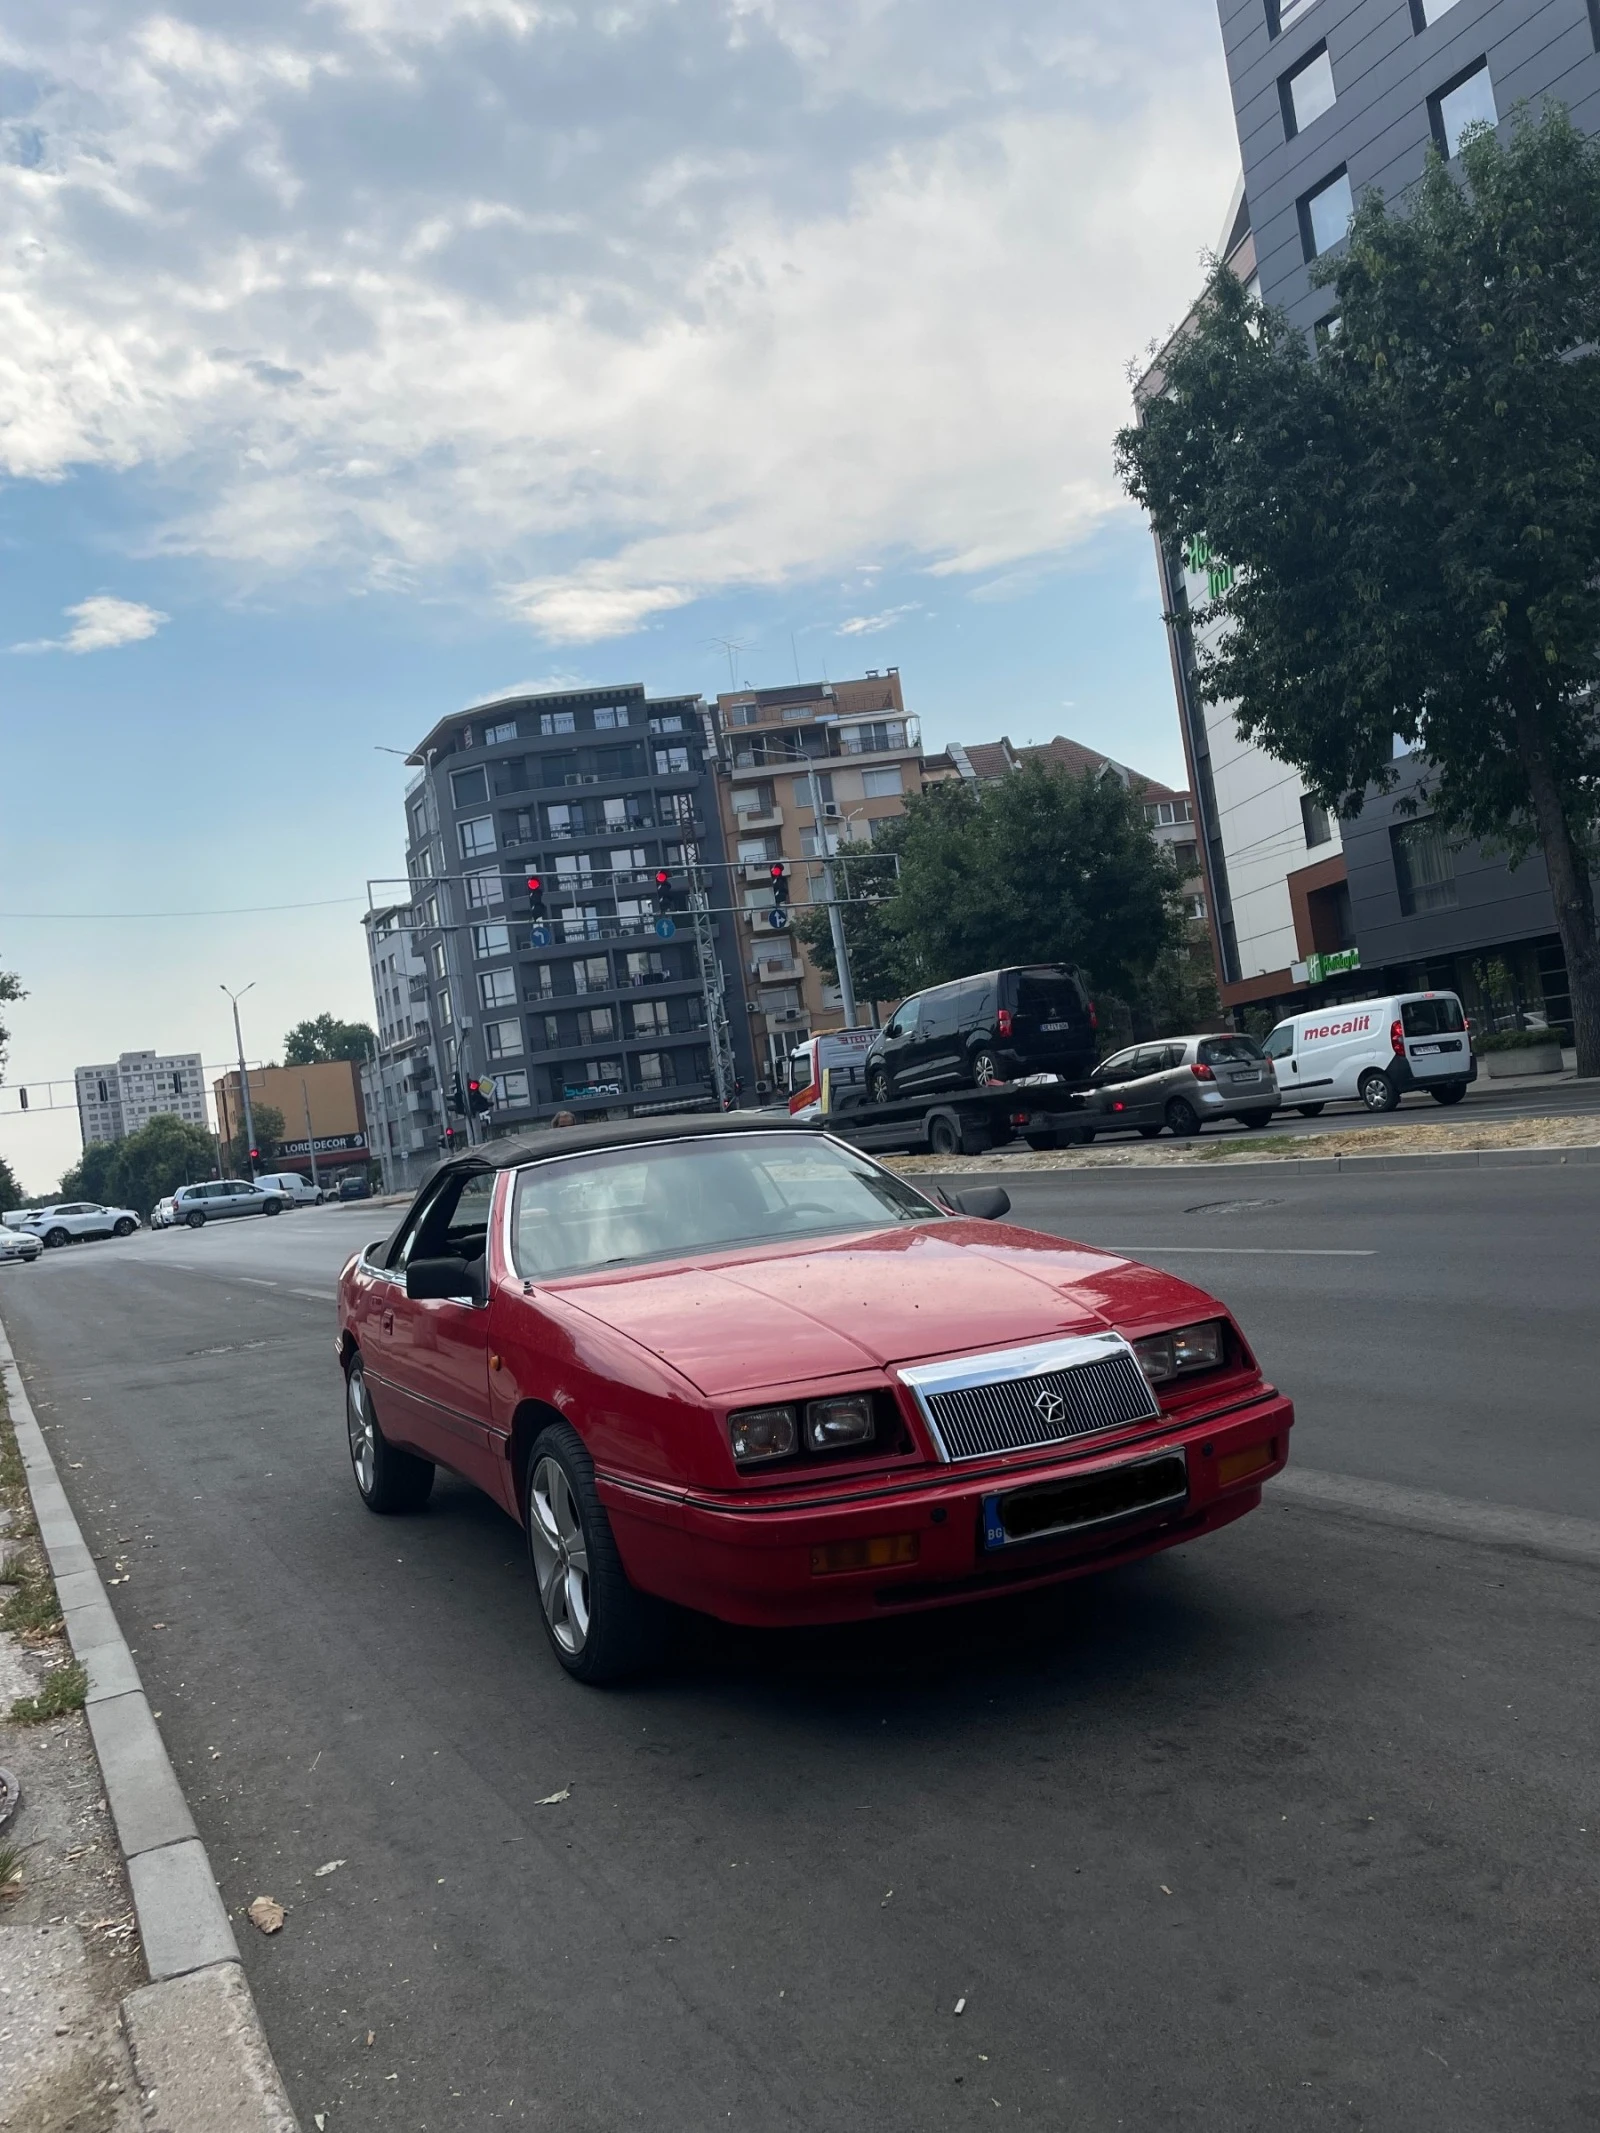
(1043, 867)
(864, 882)
(10, 989)
(1412, 514)
(10, 1190)
(269, 1134)
(325, 1037)
(144, 1166)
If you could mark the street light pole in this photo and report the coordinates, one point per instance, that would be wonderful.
(311, 1140)
(841, 950)
(244, 1078)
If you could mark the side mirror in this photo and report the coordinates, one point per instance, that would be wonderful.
(441, 1280)
(985, 1203)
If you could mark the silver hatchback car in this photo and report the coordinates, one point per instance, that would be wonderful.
(1180, 1082)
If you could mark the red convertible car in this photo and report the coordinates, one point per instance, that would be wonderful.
(734, 1364)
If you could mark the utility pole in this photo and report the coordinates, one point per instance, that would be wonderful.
(724, 1073)
(244, 1078)
(311, 1139)
(841, 951)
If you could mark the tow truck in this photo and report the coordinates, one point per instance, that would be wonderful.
(827, 1079)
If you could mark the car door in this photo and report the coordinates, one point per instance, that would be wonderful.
(939, 1060)
(436, 1351)
(1111, 1081)
(899, 1044)
(1278, 1046)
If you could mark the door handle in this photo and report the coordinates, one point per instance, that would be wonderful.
(388, 1321)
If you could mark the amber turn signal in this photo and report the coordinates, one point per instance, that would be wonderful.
(883, 1553)
(1238, 1464)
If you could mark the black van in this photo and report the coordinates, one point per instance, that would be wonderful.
(1037, 1019)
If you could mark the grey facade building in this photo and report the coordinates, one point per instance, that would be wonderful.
(120, 1097)
(578, 996)
(1332, 98)
(400, 1088)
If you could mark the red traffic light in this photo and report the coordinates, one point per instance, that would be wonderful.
(473, 1086)
(534, 884)
(778, 870)
(662, 877)
(255, 1155)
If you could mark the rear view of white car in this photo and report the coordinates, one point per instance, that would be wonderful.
(1374, 1051)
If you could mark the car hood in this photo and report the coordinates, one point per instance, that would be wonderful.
(742, 1323)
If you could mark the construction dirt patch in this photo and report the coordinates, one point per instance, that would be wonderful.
(1442, 1139)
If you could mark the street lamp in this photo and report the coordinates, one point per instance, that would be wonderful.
(244, 1078)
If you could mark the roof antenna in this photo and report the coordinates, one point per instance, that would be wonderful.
(794, 654)
(727, 645)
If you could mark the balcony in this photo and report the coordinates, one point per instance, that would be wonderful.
(745, 820)
(767, 972)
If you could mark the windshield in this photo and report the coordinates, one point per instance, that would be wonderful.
(623, 1206)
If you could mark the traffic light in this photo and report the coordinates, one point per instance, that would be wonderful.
(536, 895)
(663, 895)
(449, 1138)
(780, 884)
(455, 1098)
(255, 1157)
(479, 1098)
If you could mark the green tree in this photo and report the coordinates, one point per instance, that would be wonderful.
(91, 1175)
(1412, 515)
(1041, 868)
(324, 1037)
(10, 1190)
(156, 1160)
(10, 989)
(269, 1132)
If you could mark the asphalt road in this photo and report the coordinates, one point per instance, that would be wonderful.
(1294, 1828)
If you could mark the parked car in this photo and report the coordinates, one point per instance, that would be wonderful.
(1375, 1050)
(294, 1190)
(196, 1205)
(731, 1362)
(996, 1027)
(19, 1247)
(69, 1220)
(161, 1213)
(355, 1187)
(1180, 1082)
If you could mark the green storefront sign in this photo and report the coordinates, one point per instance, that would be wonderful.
(1319, 967)
(1197, 556)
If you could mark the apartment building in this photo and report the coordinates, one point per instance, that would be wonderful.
(1332, 97)
(120, 1097)
(806, 772)
(579, 994)
(321, 1109)
(400, 1088)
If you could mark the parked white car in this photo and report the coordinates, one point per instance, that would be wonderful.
(69, 1220)
(18, 1247)
(1374, 1050)
(161, 1214)
(295, 1190)
(196, 1205)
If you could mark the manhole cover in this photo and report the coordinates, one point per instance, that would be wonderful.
(1230, 1207)
(10, 1797)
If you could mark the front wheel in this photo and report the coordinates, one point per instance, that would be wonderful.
(1310, 1110)
(55, 1238)
(1448, 1096)
(1255, 1120)
(879, 1086)
(985, 1070)
(943, 1137)
(1377, 1091)
(1149, 1133)
(389, 1480)
(599, 1627)
(125, 1228)
(1182, 1118)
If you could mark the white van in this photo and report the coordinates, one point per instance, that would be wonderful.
(838, 1056)
(291, 1188)
(1374, 1050)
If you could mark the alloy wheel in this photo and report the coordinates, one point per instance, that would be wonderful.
(359, 1423)
(560, 1555)
(985, 1073)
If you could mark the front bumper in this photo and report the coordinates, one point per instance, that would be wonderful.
(752, 1561)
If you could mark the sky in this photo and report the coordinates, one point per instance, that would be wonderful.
(360, 359)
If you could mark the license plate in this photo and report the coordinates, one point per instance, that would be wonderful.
(1086, 1500)
(1418, 1051)
(1242, 1074)
(1055, 1025)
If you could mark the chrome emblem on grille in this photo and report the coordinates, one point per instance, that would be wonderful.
(1049, 1407)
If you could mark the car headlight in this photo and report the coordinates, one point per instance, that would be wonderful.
(1173, 1355)
(833, 1424)
(760, 1433)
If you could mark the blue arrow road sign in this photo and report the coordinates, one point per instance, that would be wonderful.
(539, 936)
(777, 920)
(665, 928)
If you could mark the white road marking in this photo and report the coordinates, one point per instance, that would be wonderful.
(256, 1281)
(1241, 1251)
(321, 1296)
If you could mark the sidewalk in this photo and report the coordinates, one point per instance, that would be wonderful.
(122, 2000)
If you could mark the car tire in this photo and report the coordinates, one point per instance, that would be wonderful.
(879, 1086)
(1451, 1095)
(944, 1137)
(55, 1238)
(986, 1072)
(1377, 1091)
(124, 1228)
(1182, 1118)
(1311, 1110)
(1255, 1120)
(600, 1628)
(273, 1207)
(195, 1218)
(1149, 1133)
(388, 1480)
(1039, 1142)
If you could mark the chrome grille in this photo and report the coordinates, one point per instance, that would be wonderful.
(1018, 1399)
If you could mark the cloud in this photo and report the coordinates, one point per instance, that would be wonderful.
(100, 624)
(870, 625)
(595, 312)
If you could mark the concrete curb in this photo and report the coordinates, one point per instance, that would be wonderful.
(1276, 1166)
(197, 2041)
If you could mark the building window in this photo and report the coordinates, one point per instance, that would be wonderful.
(1280, 13)
(596, 1024)
(419, 820)
(557, 722)
(1327, 330)
(1325, 214)
(1466, 101)
(470, 788)
(629, 860)
(497, 988)
(758, 851)
(510, 1088)
(563, 819)
(446, 1014)
(1424, 12)
(551, 1025)
(672, 762)
(591, 973)
(502, 1039)
(477, 837)
(483, 890)
(1314, 820)
(591, 1077)
(505, 731)
(655, 1070)
(1424, 867)
(882, 784)
(645, 966)
(878, 738)
(490, 940)
(572, 868)
(761, 800)
(671, 722)
(1306, 91)
(802, 789)
(649, 1017)
(436, 958)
